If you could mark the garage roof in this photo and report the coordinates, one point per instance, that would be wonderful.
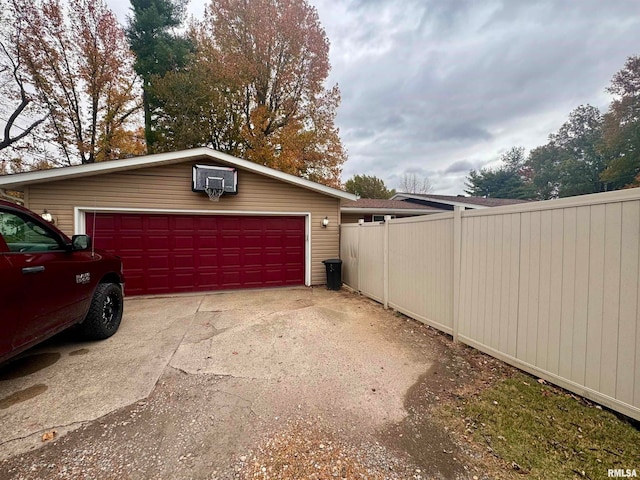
(17, 181)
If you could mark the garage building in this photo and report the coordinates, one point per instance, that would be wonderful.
(275, 230)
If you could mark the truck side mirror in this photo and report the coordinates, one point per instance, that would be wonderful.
(80, 242)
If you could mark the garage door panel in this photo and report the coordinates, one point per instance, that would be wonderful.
(209, 278)
(209, 260)
(131, 242)
(155, 261)
(185, 223)
(183, 242)
(183, 280)
(157, 222)
(184, 261)
(130, 222)
(206, 241)
(178, 253)
(157, 242)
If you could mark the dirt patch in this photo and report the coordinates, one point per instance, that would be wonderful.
(430, 439)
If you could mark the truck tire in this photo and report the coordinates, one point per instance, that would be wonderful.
(105, 312)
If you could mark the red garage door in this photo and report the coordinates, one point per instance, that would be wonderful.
(186, 253)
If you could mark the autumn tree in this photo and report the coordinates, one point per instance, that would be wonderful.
(368, 186)
(255, 88)
(622, 128)
(413, 183)
(158, 49)
(81, 68)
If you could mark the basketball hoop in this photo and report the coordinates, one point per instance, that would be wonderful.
(214, 193)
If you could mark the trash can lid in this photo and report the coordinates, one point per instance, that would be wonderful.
(332, 261)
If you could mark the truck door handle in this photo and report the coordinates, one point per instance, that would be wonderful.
(37, 269)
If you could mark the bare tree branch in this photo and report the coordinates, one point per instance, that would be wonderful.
(7, 139)
(412, 183)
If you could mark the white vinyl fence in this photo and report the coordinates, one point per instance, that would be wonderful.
(550, 287)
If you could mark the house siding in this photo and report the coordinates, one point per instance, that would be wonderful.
(169, 188)
(351, 217)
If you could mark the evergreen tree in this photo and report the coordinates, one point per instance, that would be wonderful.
(158, 49)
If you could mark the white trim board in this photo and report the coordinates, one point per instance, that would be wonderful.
(79, 222)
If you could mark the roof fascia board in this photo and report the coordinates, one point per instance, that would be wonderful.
(388, 210)
(436, 200)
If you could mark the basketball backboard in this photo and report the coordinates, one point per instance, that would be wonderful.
(213, 177)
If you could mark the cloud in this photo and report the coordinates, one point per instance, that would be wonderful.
(432, 84)
(460, 166)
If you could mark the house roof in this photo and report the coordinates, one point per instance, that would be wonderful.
(375, 205)
(17, 181)
(461, 200)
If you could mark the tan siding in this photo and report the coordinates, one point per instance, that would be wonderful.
(169, 187)
(351, 217)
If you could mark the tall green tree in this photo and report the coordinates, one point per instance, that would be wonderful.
(544, 163)
(622, 128)
(255, 87)
(368, 186)
(572, 161)
(580, 160)
(196, 108)
(510, 180)
(158, 49)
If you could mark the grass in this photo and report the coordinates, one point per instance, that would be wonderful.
(542, 431)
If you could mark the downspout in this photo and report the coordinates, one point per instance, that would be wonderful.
(11, 198)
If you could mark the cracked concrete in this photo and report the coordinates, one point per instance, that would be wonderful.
(251, 357)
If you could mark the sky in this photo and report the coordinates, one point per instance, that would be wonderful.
(440, 87)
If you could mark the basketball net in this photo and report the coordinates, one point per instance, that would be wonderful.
(214, 193)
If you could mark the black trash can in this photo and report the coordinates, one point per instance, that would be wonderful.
(334, 273)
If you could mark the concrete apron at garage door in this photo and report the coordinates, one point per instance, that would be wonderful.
(328, 351)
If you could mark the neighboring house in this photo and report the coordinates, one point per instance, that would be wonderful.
(275, 231)
(448, 202)
(374, 210)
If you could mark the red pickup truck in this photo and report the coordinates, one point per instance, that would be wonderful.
(49, 282)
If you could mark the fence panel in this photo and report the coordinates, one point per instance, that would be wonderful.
(421, 269)
(349, 254)
(371, 260)
(553, 288)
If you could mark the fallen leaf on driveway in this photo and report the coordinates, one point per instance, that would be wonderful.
(235, 353)
(48, 436)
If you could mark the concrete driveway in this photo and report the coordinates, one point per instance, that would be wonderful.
(192, 380)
